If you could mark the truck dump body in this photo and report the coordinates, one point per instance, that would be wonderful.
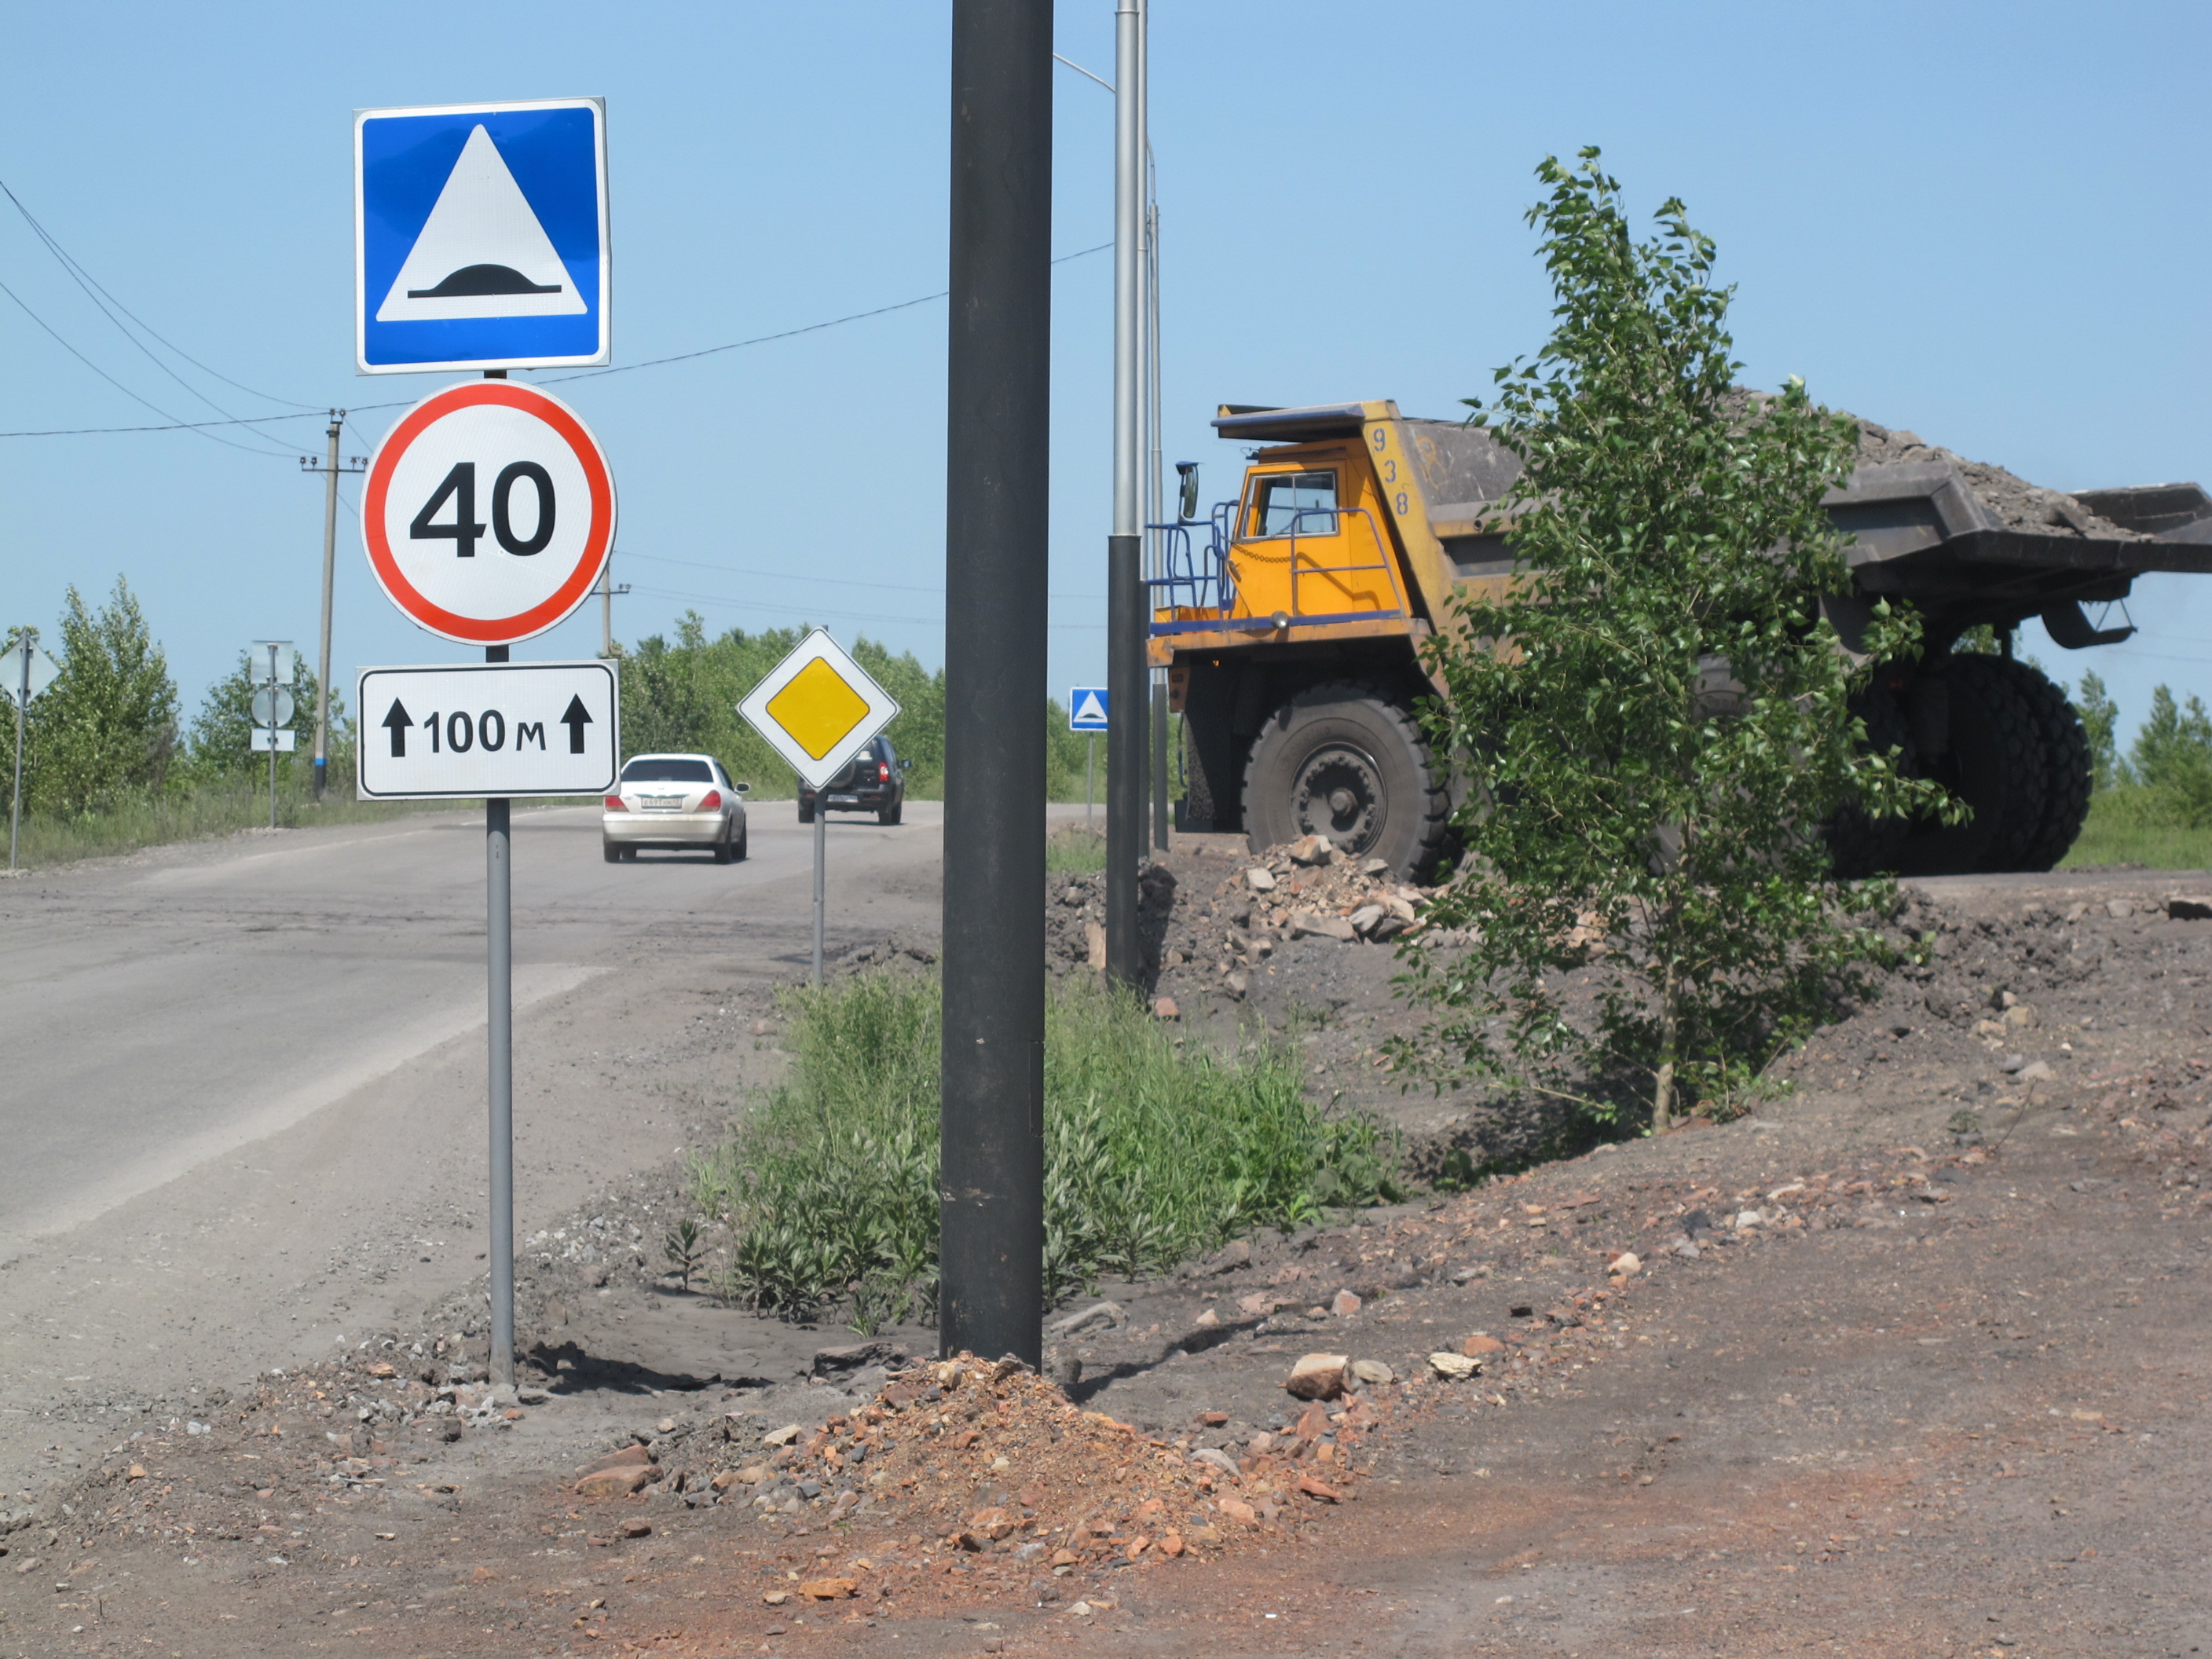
(1356, 524)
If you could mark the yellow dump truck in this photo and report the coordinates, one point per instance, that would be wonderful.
(1289, 622)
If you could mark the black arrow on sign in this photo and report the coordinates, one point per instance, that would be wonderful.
(576, 718)
(397, 723)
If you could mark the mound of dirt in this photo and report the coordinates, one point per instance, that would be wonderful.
(996, 1460)
(2018, 503)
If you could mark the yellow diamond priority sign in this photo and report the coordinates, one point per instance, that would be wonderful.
(818, 708)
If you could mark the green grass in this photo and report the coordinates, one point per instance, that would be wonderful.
(1154, 1151)
(1073, 850)
(127, 825)
(2134, 825)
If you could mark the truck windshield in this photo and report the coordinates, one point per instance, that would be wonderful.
(1295, 503)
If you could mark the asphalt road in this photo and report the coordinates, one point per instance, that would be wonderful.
(243, 1099)
(156, 1016)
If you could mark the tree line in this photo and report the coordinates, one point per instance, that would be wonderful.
(110, 730)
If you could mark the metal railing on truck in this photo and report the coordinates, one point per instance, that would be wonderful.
(1185, 573)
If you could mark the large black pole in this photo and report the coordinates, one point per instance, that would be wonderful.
(991, 1254)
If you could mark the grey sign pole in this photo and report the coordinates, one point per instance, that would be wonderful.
(272, 735)
(499, 1047)
(1128, 715)
(26, 643)
(820, 859)
(1089, 770)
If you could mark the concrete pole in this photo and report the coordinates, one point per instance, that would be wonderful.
(329, 569)
(1127, 714)
(997, 534)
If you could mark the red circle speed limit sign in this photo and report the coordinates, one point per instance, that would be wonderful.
(489, 513)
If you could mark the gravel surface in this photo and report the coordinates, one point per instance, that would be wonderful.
(1909, 1361)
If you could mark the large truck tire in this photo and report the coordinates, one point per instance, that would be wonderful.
(1860, 844)
(1993, 760)
(1345, 760)
(2067, 768)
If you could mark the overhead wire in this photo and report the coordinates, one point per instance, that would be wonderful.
(197, 427)
(75, 268)
(176, 425)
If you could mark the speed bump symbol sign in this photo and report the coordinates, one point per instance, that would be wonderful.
(489, 512)
(480, 236)
(818, 708)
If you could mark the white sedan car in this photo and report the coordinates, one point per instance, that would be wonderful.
(675, 800)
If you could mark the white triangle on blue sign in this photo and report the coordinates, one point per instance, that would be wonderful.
(1089, 709)
(482, 252)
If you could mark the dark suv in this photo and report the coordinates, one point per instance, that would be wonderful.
(874, 782)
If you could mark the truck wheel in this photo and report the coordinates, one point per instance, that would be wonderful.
(2068, 769)
(1345, 761)
(1994, 763)
(1860, 844)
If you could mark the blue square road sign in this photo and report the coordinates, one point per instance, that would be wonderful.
(480, 237)
(1086, 709)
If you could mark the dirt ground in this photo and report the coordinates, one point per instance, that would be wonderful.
(1913, 1360)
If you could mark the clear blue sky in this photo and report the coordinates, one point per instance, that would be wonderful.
(1981, 222)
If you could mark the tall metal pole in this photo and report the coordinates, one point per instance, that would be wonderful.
(821, 895)
(498, 1052)
(499, 1055)
(1126, 713)
(329, 567)
(272, 736)
(999, 384)
(26, 643)
(1154, 507)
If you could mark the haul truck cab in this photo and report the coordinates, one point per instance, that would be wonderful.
(1292, 636)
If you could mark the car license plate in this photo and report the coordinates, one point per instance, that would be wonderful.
(844, 800)
(660, 803)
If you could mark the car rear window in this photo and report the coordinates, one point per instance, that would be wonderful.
(652, 770)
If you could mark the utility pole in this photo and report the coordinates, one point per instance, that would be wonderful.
(998, 456)
(25, 649)
(608, 594)
(1127, 714)
(330, 468)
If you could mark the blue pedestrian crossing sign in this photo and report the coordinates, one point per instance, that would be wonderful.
(480, 236)
(1086, 709)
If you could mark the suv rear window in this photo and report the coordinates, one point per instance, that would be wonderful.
(666, 771)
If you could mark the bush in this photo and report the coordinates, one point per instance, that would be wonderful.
(107, 728)
(1153, 1153)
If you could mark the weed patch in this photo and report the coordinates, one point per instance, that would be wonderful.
(1153, 1153)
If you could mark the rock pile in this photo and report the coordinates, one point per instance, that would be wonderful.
(2018, 503)
(1303, 889)
(997, 1462)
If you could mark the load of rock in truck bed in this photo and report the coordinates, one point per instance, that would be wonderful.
(2018, 504)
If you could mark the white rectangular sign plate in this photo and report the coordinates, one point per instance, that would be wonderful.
(489, 729)
(282, 741)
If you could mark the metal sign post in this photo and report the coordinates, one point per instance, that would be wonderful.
(1087, 712)
(818, 709)
(500, 730)
(24, 671)
(273, 707)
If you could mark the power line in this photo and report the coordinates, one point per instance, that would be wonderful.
(399, 403)
(196, 426)
(71, 264)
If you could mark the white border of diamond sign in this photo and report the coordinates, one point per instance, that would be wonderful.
(883, 708)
